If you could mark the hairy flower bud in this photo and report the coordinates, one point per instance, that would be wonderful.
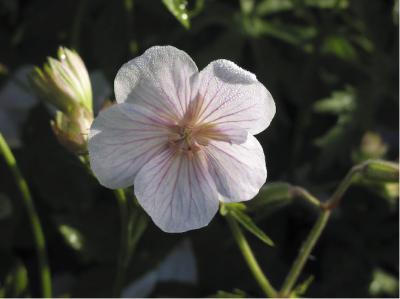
(65, 82)
(72, 132)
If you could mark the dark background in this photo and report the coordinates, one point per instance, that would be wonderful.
(332, 68)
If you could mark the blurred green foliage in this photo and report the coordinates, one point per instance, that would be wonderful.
(332, 67)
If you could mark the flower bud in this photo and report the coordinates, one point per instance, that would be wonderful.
(72, 132)
(381, 171)
(65, 82)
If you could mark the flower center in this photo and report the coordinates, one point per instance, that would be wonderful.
(186, 139)
(190, 134)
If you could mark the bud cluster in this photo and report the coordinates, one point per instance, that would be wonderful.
(64, 83)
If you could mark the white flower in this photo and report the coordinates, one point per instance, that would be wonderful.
(184, 138)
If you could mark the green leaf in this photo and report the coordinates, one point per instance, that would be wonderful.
(327, 4)
(276, 193)
(302, 288)
(335, 142)
(383, 284)
(178, 8)
(228, 207)
(267, 7)
(291, 34)
(16, 282)
(248, 223)
(340, 47)
(340, 101)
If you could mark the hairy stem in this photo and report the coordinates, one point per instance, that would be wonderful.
(37, 231)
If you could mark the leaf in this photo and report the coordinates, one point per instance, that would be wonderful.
(340, 47)
(178, 8)
(291, 34)
(340, 101)
(267, 7)
(336, 142)
(302, 288)
(276, 193)
(16, 282)
(383, 284)
(327, 4)
(228, 207)
(248, 223)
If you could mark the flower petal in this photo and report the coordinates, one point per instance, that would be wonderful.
(177, 191)
(230, 133)
(159, 79)
(232, 95)
(238, 169)
(122, 139)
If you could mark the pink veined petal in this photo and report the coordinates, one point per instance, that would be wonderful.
(122, 139)
(232, 95)
(177, 192)
(238, 170)
(231, 133)
(159, 79)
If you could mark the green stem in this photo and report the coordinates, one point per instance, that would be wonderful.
(133, 224)
(342, 188)
(38, 236)
(304, 253)
(319, 226)
(249, 257)
(124, 242)
(307, 196)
